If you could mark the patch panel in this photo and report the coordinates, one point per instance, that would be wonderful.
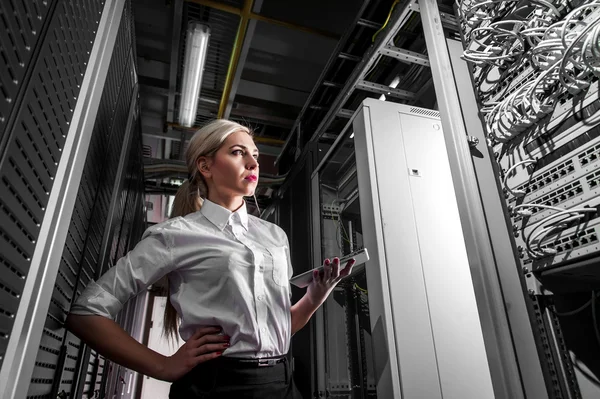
(589, 156)
(564, 165)
(571, 195)
(544, 179)
(573, 241)
(571, 245)
(555, 198)
(593, 180)
(590, 220)
(511, 81)
(565, 122)
(569, 127)
(334, 209)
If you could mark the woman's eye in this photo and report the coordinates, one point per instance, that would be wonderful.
(238, 152)
(255, 156)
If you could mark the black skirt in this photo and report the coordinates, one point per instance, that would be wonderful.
(226, 377)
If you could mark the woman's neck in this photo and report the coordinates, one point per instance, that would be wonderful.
(231, 203)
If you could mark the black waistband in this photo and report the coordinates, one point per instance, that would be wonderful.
(252, 363)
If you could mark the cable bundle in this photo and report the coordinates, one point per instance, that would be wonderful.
(565, 56)
(539, 50)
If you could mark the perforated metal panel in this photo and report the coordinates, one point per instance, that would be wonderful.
(44, 51)
(65, 365)
(48, 75)
(21, 23)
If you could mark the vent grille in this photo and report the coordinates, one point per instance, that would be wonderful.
(423, 111)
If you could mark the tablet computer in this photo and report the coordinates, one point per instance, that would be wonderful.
(303, 280)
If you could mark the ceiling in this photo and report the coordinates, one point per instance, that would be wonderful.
(284, 70)
(276, 71)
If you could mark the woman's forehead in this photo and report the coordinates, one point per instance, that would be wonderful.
(240, 138)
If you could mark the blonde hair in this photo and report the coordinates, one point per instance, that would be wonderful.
(190, 196)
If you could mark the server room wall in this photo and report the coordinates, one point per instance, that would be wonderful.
(46, 47)
(538, 100)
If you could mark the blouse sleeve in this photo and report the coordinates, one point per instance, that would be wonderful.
(150, 260)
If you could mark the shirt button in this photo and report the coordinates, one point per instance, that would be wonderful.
(263, 330)
(260, 297)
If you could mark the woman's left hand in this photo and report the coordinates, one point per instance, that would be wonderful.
(323, 283)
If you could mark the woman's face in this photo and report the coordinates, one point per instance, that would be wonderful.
(233, 170)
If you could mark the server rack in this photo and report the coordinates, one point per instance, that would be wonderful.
(72, 172)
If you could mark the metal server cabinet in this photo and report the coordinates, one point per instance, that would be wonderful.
(425, 315)
(426, 336)
(72, 182)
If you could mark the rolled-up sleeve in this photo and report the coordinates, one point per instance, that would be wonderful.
(150, 260)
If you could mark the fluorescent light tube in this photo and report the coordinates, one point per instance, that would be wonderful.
(195, 57)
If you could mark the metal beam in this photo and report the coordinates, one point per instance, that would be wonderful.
(268, 149)
(383, 89)
(251, 15)
(191, 130)
(269, 92)
(405, 55)
(289, 25)
(218, 6)
(345, 113)
(397, 20)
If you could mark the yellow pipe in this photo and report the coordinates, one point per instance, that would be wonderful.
(235, 56)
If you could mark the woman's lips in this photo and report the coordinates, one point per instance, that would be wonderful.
(252, 178)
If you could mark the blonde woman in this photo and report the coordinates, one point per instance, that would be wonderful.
(228, 275)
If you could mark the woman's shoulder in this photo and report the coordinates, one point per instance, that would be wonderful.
(169, 226)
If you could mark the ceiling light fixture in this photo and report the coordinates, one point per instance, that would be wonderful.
(195, 57)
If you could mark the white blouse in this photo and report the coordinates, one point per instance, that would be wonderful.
(225, 269)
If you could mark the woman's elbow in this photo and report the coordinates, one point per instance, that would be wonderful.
(77, 324)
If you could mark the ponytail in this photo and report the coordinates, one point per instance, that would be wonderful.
(188, 199)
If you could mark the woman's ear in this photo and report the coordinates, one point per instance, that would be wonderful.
(203, 166)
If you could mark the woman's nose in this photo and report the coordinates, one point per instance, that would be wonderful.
(252, 163)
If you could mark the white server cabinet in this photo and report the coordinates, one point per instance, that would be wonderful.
(427, 335)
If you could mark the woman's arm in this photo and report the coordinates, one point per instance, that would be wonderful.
(302, 311)
(318, 291)
(109, 339)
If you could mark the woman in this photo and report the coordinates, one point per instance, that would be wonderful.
(228, 278)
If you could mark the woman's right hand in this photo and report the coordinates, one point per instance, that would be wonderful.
(206, 344)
